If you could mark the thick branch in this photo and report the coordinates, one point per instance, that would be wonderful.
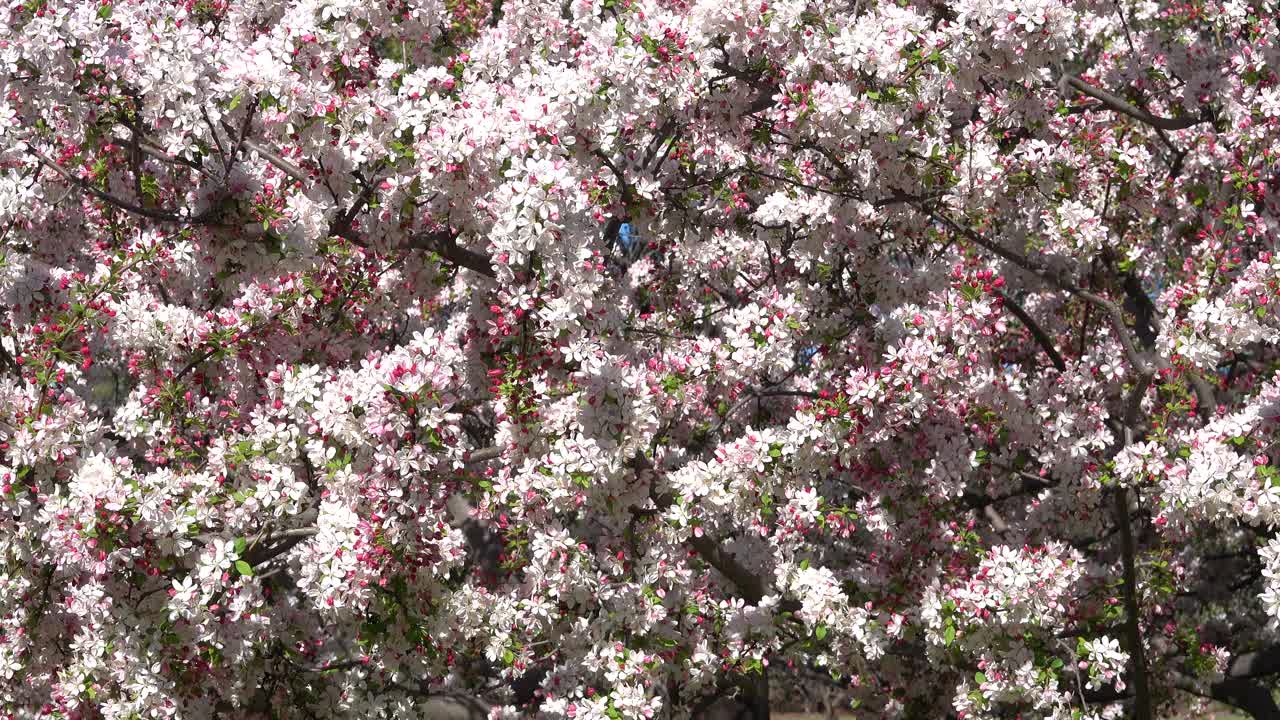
(751, 587)
(1121, 106)
(1148, 329)
(7, 360)
(475, 457)
(1256, 664)
(445, 244)
(341, 225)
(447, 706)
(1133, 618)
(1132, 628)
(1122, 331)
(1030, 484)
(1251, 697)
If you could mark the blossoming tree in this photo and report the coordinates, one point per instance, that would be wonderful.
(632, 358)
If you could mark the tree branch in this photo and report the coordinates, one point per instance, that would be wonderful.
(475, 457)
(1132, 619)
(1251, 697)
(445, 244)
(1148, 329)
(125, 205)
(1132, 622)
(1120, 105)
(288, 168)
(1042, 271)
(156, 151)
(751, 587)
(1257, 663)
(1042, 338)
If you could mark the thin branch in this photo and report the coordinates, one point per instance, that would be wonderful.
(157, 152)
(1059, 279)
(125, 205)
(324, 177)
(245, 124)
(213, 132)
(1084, 703)
(628, 197)
(283, 165)
(1042, 338)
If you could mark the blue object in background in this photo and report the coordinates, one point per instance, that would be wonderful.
(805, 356)
(626, 238)
(1154, 286)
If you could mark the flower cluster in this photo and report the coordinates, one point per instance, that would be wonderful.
(625, 359)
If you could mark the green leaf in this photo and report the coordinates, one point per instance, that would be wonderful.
(104, 12)
(150, 186)
(241, 544)
(949, 635)
(820, 632)
(244, 568)
(979, 678)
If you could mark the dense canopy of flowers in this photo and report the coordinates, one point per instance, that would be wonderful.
(628, 358)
